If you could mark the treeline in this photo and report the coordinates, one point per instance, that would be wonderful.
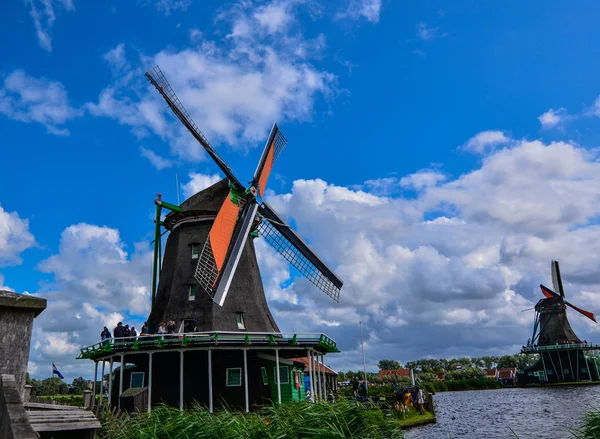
(56, 386)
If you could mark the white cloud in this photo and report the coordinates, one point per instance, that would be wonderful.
(595, 111)
(553, 118)
(168, 6)
(426, 33)
(233, 88)
(422, 179)
(42, 12)
(15, 238)
(445, 278)
(485, 141)
(370, 10)
(199, 182)
(3, 286)
(28, 99)
(116, 57)
(92, 264)
(157, 161)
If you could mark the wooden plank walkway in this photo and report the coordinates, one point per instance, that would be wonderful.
(61, 420)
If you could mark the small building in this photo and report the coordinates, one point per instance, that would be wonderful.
(330, 380)
(491, 374)
(507, 375)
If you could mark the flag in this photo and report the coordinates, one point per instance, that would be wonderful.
(56, 372)
(458, 366)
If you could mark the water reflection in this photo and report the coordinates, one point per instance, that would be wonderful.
(546, 413)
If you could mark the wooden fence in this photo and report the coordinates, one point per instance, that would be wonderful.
(14, 422)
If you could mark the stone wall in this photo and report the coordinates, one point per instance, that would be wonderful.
(17, 312)
(14, 423)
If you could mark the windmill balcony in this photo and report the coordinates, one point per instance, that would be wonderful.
(213, 340)
(558, 347)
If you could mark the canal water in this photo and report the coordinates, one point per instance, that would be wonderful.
(532, 413)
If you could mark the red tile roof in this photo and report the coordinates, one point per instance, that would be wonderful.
(507, 372)
(304, 360)
(395, 372)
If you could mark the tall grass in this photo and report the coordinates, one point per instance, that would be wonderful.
(290, 421)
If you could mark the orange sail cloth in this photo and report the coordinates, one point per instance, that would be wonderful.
(548, 292)
(266, 170)
(222, 230)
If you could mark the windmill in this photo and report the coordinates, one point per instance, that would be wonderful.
(560, 349)
(224, 345)
(241, 215)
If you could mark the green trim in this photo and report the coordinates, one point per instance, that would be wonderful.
(233, 381)
(170, 206)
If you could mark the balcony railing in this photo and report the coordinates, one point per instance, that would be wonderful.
(317, 341)
(555, 347)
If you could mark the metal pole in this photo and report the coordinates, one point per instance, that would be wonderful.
(180, 381)
(150, 382)
(95, 380)
(553, 365)
(364, 361)
(246, 380)
(102, 383)
(210, 387)
(310, 377)
(121, 380)
(323, 373)
(278, 376)
(577, 364)
(571, 364)
(316, 377)
(110, 382)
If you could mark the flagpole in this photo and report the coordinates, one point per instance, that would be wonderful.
(364, 361)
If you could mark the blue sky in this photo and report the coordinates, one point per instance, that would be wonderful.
(402, 118)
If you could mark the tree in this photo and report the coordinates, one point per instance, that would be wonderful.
(388, 365)
(79, 385)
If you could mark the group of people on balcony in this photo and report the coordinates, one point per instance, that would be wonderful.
(121, 331)
(564, 342)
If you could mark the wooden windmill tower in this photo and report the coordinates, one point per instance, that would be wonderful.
(561, 352)
(226, 344)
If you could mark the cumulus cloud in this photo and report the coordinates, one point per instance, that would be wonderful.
(43, 15)
(157, 161)
(463, 257)
(93, 264)
(40, 100)
(168, 6)
(199, 182)
(485, 141)
(370, 10)
(233, 88)
(553, 118)
(426, 33)
(15, 238)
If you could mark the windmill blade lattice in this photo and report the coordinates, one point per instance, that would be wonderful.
(279, 235)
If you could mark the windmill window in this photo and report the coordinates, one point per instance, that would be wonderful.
(192, 292)
(265, 378)
(284, 372)
(234, 377)
(195, 251)
(136, 380)
(239, 318)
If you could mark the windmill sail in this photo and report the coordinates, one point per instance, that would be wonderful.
(158, 80)
(552, 295)
(281, 237)
(588, 314)
(275, 144)
(556, 279)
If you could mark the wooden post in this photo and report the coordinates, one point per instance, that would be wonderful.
(210, 387)
(94, 388)
(110, 382)
(121, 380)
(561, 366)
(181, 380)
(577, 364)
(571, 364)
(544, 364)
(150, 382)
(278, 375)
(587, 365)
(246, 381)
(102, 383)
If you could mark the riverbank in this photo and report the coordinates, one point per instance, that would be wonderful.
(414, 419)
(461, 385)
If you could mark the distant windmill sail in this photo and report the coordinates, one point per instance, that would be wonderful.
(556, 279)
(552, 295)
